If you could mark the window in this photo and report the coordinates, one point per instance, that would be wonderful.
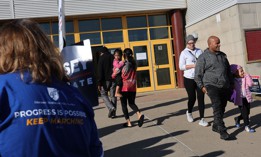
(138, 35)
(159, 33)
(111, 24)
(136, 22)
(68, 27)
(89, 25)
(253, 45)
(69, 40)
(157, 20)
(45, 27)
(95, 38)
(112, 37)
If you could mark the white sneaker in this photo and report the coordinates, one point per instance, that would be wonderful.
(189, 117)
(202, 122)
(248, 129)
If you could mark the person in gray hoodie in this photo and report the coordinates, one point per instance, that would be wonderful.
(213, 77)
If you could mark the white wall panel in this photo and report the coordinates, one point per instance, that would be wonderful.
(114, 6)
(200, 9)
(35, 8)
(5, 9)
(49, 8)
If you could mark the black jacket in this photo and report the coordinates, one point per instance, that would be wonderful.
(105, 66)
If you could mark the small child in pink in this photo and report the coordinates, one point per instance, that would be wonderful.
(116, 74)
(242, 96)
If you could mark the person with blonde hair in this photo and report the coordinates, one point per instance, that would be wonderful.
(40, 114)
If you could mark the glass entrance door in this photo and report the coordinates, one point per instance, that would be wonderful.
(142, 55)
(162, 65)
(155, 65)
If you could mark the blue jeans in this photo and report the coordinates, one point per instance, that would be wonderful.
(218, 97)
(109, 86)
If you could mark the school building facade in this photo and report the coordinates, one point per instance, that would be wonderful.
(154, 29)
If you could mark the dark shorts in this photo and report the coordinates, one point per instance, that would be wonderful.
(118, 80)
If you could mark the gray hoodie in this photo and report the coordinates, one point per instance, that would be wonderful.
(213, 69)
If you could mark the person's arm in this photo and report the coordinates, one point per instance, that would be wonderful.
(182, 62)
(249, 80)
(118, 64)
(121, 64)
(229, 73)
(199, 73)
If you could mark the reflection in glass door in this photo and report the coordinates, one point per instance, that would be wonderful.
(162, 65)
(142, 56)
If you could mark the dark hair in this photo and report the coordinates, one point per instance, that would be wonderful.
(128, 54)
(104, 49)
(119, 51)
(24, 46)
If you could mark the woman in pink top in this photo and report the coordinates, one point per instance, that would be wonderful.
(242, 96)
(129, 88)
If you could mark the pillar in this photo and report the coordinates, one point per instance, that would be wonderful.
(178, 42)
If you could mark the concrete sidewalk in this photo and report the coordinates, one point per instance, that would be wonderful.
(166, 132)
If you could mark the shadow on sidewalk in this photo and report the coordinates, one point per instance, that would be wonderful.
(213, 154)
(164, 104)
(145, 148)
(181, 112)
(254, 119)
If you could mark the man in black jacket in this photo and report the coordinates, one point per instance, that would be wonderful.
(105, 83)
(213, 77)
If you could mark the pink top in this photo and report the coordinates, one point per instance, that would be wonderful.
(117, 65)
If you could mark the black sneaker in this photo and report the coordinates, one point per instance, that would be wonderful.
(113, 115)
(215, 128)
(218, 129)
(224, 135)
(111, 112)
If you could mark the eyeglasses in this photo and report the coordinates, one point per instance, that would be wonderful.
(191, 43)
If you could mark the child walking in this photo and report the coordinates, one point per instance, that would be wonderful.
(116, 74)
(241, 95)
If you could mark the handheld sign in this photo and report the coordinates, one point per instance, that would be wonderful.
(79, 67)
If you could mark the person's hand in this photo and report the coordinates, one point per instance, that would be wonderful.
(204, 90)
(99, 87)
